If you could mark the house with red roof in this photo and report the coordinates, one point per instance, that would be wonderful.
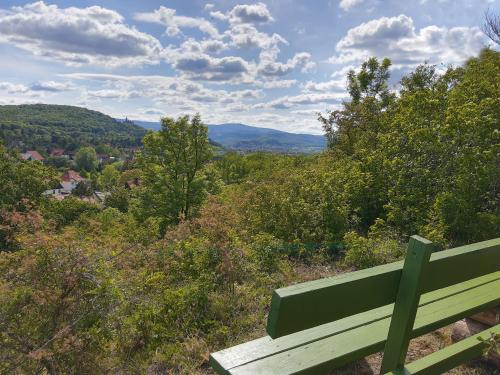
(71, 176)
(32, 155)
(58, 152)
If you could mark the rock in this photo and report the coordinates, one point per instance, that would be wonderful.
(468, 327)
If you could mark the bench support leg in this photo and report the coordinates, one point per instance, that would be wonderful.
(405, 307)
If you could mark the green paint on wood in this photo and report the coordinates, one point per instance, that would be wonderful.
(451, 356)
(405, 307)
(313, 303)
(325, 347)
(327, 323)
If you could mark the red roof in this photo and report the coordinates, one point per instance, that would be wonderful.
(32, 155)
(71, 175)
(57, 152)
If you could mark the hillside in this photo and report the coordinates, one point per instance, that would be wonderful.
(250, 138)
(68, 127)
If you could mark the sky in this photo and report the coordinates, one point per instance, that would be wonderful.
(273, 63)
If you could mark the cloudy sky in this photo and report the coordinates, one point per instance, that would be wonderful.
(272, 63)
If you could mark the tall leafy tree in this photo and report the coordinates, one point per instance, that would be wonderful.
(86, 159)
(172, 162)
(354, 133)
(22, 181)
(21, 186)
(355, 127)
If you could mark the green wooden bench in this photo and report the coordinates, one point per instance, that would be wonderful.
(320, 325)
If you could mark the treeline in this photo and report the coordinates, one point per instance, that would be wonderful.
(185, 253)
(44, 126)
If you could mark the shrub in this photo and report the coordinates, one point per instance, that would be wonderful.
(380, 246)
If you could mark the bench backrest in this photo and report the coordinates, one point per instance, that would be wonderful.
(313, 303)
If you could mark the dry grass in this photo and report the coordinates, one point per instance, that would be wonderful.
(420, 347)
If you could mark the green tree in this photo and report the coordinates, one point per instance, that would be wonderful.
(109, 178)
(172, 163)
(86, 159)
(21, 186)
(355, 127)
(22, 181)
(354, 132)
(83, 189)
(119, 198)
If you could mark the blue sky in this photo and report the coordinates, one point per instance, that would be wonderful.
(271, 63)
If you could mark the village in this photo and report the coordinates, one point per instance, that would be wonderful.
(76, 180)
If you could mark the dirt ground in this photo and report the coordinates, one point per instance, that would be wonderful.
(420, 347)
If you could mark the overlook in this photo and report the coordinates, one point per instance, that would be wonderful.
(267, 187)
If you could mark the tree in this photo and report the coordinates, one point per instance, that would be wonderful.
(356, 126)
(491, 26)
(172, 162)
(83, 189)
(109, 178)
(355, 131)
(22, 181)
(86, 159)
(119, 199)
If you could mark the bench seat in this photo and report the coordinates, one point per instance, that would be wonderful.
(452, 356)
(318, 350)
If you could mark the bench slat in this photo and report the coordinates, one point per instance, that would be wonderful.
(266, 347)
(449, 357)
(321, 356)
(306, 305)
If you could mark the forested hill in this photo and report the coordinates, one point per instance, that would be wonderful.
(251, 138)
(53, 126)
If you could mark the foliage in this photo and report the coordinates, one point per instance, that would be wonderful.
(172, 162)
(21, 186)
(86, 159)
(380, 246)
(83, 189)
(109, 177)
(58, 126)
(183, 260)
(58, 162)
(68, 294)
(22, 181)
(67, 211)
(119, 198)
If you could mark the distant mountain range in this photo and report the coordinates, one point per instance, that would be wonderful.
(250, 138)
(46, 126)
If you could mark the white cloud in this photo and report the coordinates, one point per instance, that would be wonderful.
(199, 66)
(51, 86)
(396, 38)
(247, 36)
(76, 36)
(348, 4)
(287, 102)
(36, 89)
(276, 83)
(250, 13)
(274, 68)
(218, 15)
(12, 88)
(174, 23)
(160, 89)
(204, 46)
(119, 94)
(337, 85)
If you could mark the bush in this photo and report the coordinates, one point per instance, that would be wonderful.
(379, 247)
